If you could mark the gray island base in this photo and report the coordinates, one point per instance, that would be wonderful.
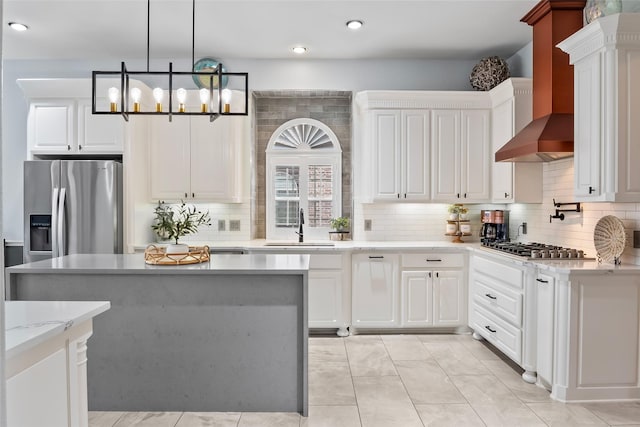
(228, 335)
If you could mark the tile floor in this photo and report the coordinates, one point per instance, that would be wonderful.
(404, 381)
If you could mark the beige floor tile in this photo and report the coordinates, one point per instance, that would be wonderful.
(209, 419)
(405, 347)
(481, 350)
(269, 419)
(327, 350)
(556, 414)
(513, 380)
(456, 359)
(148, 419)
(426, 382)
(616, 413)
(332, 416)
(484, 389)
(103, 418)
(449, 415)
(368, 357)
(330, 383)
(384, 402)
(444, 338)
(508, 415)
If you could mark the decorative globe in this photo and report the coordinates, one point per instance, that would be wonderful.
(208, 65)
(489, 73)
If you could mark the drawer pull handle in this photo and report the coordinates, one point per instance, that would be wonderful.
(490, 330)
(490, 296)
(376, 257)
(542, 281)
(433, 260)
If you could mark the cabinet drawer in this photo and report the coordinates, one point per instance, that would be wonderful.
(432, 260)
(325, 262)
(509, 275)
(499, 300)
(505, 337)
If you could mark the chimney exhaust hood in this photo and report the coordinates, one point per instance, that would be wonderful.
(550, 135)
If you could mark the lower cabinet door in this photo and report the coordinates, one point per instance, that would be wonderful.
(375, 290)
(325, 299)
(545, 328)
(449, 298)
(416, 295)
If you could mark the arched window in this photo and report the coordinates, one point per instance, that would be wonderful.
(303, 171)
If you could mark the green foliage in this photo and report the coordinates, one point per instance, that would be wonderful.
(175, 222)
(340, 224)
(454, 209)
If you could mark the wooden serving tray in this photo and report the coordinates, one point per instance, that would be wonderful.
(157, 256)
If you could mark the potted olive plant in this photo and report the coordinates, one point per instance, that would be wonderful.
(340, 226)
(171, 223)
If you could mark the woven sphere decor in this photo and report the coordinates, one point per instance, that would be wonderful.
(489, 73)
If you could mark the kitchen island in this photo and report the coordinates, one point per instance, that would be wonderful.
(226, 335)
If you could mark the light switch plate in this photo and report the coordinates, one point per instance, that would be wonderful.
(636, 238)
(234, 225)
(222, 225)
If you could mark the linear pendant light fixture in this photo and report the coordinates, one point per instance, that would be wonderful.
(215, 100)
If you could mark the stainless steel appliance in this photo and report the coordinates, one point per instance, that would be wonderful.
(72, 206)
(495, 226)
(537, 251)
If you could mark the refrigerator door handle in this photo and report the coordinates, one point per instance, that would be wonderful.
(54, 222)
(61, 203)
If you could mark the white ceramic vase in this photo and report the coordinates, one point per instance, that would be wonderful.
(179, 248)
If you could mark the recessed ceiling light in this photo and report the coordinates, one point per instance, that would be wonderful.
(18, 26)
(354, 24)
(299, 50)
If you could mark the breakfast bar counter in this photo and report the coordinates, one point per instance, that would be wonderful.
(226, 335)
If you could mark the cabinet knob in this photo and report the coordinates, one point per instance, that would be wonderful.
(79, 147)
(376, 257)
(490, 296)
(465, 195)
(437, 274)
(433, 260)
(405, 195)
(398, 195)
(542, 281)
(490, 330)
(68, 148)
(506, 195)
(591, 189)
(458, 195)
(429, 275)
(193, 195)
(186, 195)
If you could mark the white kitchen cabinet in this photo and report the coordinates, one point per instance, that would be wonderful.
(606, 61)
(401, 139)
(191, 158)
(329, 292)
(545, 290)
(461, 150)
(432, 297)
(512, 110)
(375, 290)
(60, 121)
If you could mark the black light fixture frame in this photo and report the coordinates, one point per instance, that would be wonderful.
(124, 76)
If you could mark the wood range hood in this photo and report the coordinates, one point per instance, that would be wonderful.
(550, 135)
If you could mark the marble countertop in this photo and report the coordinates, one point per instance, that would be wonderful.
(134, 264)
(29, 323)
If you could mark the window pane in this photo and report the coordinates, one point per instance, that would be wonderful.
(320, 182)
(287, 182)
(287, 213)
(320, 212)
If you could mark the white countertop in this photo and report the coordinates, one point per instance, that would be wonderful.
(29, 323)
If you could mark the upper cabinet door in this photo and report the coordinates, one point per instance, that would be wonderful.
(214, 160)
(415, 155)
(502, 130)
(387, 139)
(99, 133)
(169, 170)
(446, 156)
(50, 128)
(476, 152)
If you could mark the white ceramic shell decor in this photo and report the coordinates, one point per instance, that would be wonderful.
(609, 239)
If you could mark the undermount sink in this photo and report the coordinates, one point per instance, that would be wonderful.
(299, 244)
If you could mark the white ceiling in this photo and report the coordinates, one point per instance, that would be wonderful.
(264, 29)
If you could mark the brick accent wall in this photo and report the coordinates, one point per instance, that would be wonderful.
(272, 109)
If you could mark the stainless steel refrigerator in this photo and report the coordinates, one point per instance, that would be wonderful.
(72, 207)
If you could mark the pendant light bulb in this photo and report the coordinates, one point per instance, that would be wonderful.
(181, 94)
(136, 94)
(226, 99)
(114, 96)
(204, 99)
(158, 94)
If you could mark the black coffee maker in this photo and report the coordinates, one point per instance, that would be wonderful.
(495, 226)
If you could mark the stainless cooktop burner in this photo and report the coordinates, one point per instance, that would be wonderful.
(538, 251)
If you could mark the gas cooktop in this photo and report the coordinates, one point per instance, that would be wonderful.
(537, 251)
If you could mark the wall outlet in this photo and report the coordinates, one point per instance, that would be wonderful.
(367, 225)
(222, 225)
(234, 225)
